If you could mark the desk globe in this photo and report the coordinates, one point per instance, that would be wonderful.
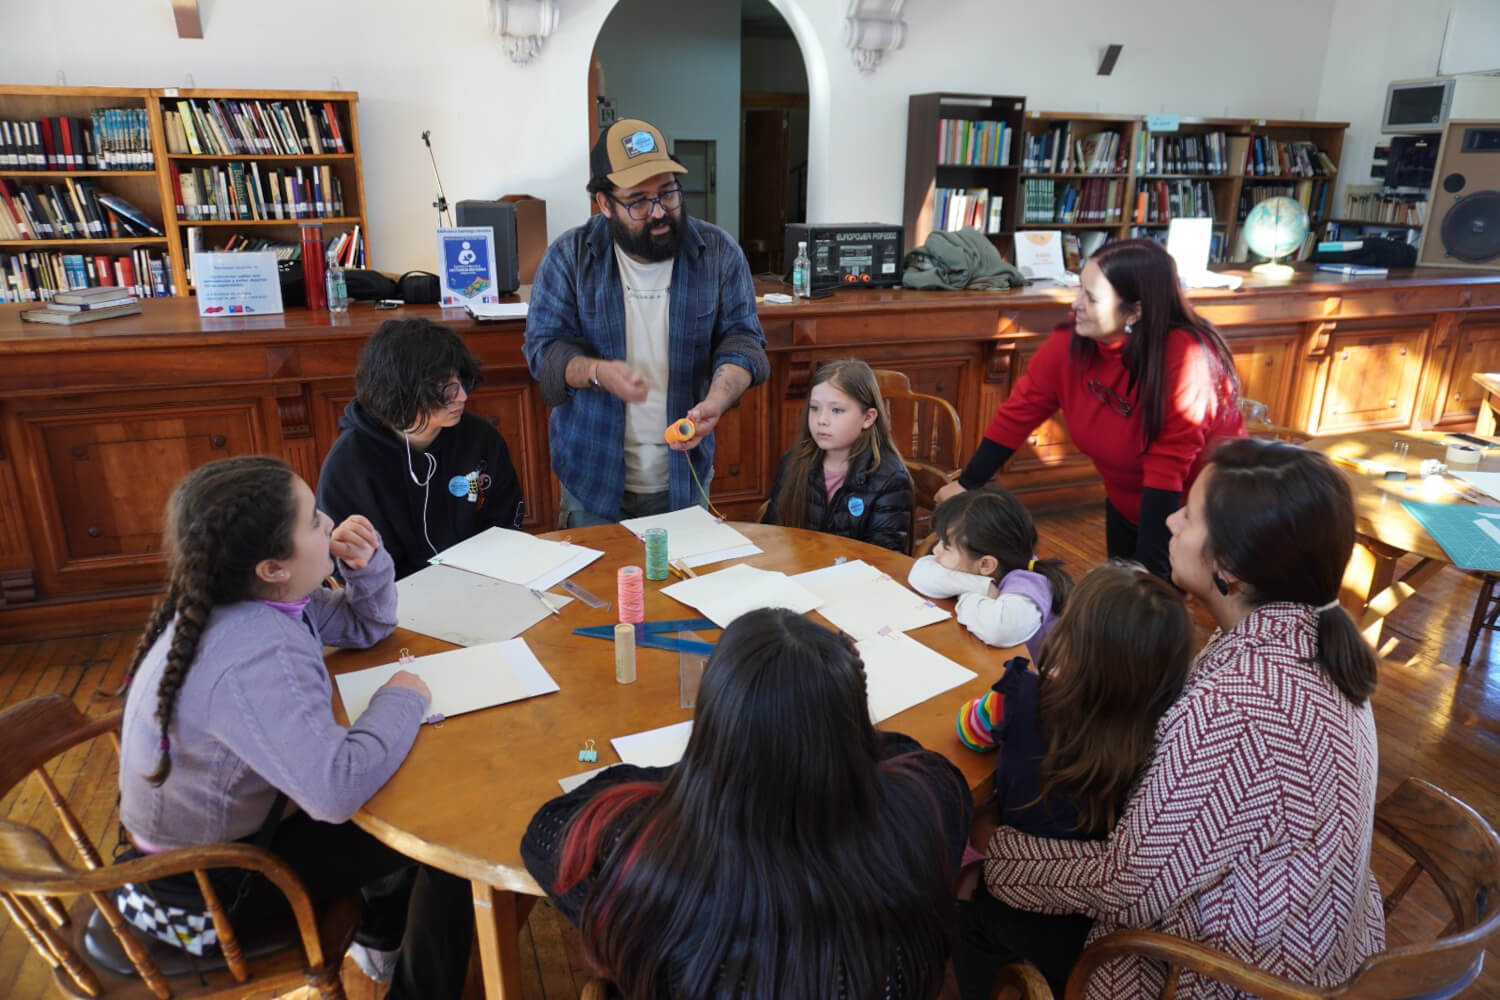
(1275, 228)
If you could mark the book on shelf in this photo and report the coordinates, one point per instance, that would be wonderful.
(973, 143)
(48, 314)
(108, 139)
(1296, 158)
(37, 276)
(243, 191)
(1200, 153)
(82, 299)
(226, 127)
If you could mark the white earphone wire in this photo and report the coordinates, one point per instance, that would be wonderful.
(426, 484)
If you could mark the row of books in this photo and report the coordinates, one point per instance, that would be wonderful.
(974, 208)
(1097, 200)
(1312, 195)
(69, 210)
(223, 127)
(37, 275)
(973, 143)
(1058, 151)
(238, 190)
(1372, 204)
(109, 139)
(1299, 158)
(1163, 201)
(1188, 153)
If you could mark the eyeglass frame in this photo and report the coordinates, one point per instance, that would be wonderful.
(660, 198)
(1109, 397)
(448, 391)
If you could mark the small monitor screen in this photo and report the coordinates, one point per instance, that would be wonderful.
(1416, 105)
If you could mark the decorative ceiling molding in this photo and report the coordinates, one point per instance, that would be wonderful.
(524, 25)
(871, 29)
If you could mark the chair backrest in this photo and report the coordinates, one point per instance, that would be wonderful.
(1258, 423)
(1445, 839)
(928, 433)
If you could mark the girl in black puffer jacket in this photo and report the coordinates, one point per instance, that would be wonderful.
(843, 475)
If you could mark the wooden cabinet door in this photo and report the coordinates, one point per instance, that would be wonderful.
(1372, 382)
(508, 406)
(742, 465)
(1477, 350)
(1264, 364)
(103, 470)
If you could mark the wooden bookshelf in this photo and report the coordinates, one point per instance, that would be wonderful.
(1219, 185)
(932, 118)
(152, 191)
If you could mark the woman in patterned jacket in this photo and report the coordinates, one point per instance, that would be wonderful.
(1250, 829)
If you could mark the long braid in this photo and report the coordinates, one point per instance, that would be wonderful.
(155, 626)
(224, 518)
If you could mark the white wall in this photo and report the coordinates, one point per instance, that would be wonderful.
(499, 128)
(683, 77)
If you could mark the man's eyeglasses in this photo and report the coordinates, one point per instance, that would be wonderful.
(449, 390)
(1109, 397)
(640, 209)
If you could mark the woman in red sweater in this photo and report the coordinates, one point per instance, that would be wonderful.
(1145, 385)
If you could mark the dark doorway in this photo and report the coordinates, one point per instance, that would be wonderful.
(773, 135)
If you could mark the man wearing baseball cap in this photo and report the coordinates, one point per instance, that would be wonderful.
(639, 317)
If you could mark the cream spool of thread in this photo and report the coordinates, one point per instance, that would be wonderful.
(624, 654)
(1462, 454)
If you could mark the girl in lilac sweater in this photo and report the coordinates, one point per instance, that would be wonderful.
(227, 731)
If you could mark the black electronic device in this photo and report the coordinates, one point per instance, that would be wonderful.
(1411, 161)
(499, 217)
(855, 254)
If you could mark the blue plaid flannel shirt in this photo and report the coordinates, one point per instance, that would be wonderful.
(578, 307)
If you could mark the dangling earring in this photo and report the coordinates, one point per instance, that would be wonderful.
(1127, 329)
(1220, 584)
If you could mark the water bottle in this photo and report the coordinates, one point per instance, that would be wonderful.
(801, 272)
(338, 290)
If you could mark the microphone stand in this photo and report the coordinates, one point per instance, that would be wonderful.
(441, 204)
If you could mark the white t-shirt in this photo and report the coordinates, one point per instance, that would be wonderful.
(647, 289)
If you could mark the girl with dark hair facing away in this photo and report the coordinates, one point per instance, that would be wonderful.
(1074, 737)
(1250, 829)
(1147, 387)
(427, 473)
(844, 475)
(986, 557)
(795, 851)
(227, 722)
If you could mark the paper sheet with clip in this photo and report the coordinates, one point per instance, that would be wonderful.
(517, 557)
(694, 536)
(655, 747)
(461, 680)
(900, 672)
(725, 595)
(861, 600)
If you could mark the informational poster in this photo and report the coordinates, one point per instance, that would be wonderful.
(466, 265)
(1039, 254)
(236, 284)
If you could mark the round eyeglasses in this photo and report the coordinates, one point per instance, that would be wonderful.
(640, 209)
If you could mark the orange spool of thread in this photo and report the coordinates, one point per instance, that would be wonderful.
(680, 432)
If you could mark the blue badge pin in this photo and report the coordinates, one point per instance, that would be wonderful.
(459, 486)
(856, 506)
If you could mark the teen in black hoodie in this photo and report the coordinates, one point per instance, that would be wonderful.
(425, 472)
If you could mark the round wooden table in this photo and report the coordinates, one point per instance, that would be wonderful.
(462, 799)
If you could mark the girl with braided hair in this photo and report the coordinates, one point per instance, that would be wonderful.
(227, 732)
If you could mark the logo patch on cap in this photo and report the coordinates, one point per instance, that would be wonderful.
(638, 143)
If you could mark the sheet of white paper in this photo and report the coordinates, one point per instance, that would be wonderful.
(572, 781)
(468, 609)
(517, 557)
(1188, 241)
(654, 747)
(861, 600)
(1487, 483)
(496, 310)
(901, 672)
(694, 536)
(725, 595)
(461, 680)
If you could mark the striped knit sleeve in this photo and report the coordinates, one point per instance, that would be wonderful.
(1208, 797)
(980, 721)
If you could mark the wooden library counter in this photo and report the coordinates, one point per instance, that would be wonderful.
(99, 421)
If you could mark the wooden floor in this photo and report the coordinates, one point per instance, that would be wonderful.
(1435, 721)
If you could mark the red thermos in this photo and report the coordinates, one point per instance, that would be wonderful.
(312, 265)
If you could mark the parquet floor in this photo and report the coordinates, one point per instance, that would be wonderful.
(1435, 721)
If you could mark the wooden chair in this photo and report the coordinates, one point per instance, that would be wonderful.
(928, 434)
(1486, 611)
(92, 950)
(1258, 423)
(1445, 839)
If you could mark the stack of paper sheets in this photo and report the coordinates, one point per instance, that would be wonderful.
(517, 557)
(695, 537)
(461, 680)
(862, 600)
(729, 593)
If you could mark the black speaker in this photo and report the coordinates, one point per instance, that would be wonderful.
(500, 217)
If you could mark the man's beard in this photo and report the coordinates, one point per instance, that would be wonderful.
(640, 243)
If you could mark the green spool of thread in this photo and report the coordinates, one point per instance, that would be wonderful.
(656, 553)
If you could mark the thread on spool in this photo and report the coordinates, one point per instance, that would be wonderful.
(656, 553)
(630, 587)
(679, 432)
(625, 654)
(1462, 454)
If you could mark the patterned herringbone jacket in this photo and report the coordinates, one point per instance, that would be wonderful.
(1250, 830)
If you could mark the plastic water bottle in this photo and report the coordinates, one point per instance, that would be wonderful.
(338, 290)
(801, 272)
